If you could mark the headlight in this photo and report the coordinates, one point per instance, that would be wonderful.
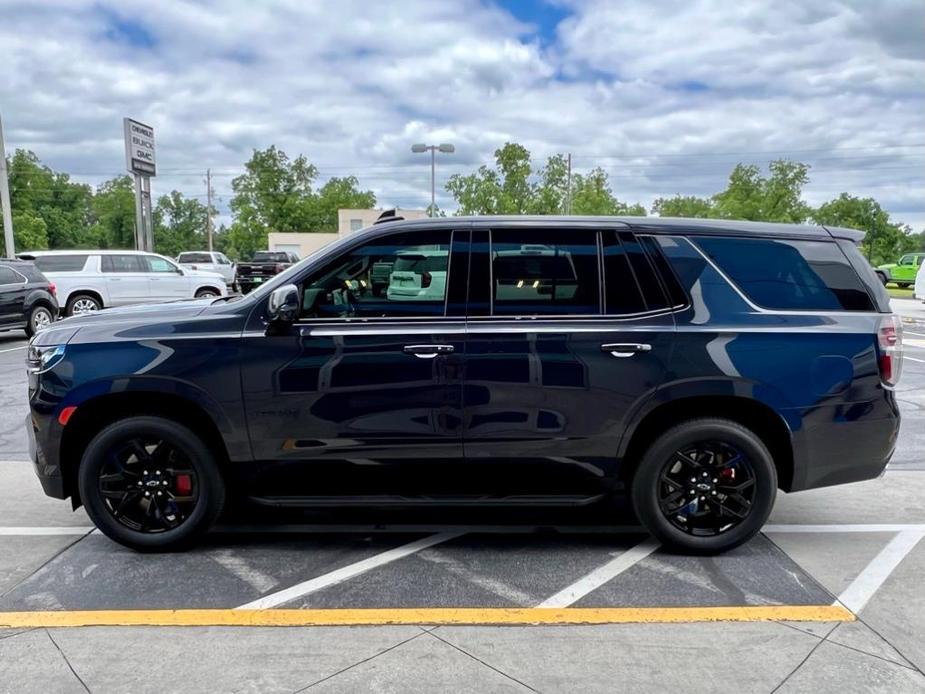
(44, 357)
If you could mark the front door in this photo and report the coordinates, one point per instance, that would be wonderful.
(556, 360)
(166, 280)
(12, 296)
(362, 396)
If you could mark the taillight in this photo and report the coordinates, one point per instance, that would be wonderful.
(52, 289)
(425, 279)
(280, 267)
(890, 341)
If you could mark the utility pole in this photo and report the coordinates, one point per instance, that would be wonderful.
(568, 187)
(5, 201)
(209, 207)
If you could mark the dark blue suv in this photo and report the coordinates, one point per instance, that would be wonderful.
(696, 365)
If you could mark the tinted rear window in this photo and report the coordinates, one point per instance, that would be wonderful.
(265, 257)
(195, 258)
(789, 275)
(60, 263)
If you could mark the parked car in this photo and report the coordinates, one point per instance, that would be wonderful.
(903, 272)
(27, 298)
(88, 281)
(418, 275)
(210, 261)
(695, 365)
(263, 266)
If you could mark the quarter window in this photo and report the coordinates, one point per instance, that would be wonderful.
(7, 276)
(60, 263)
(122, 263)
(400, 275)
(796, 275)
(544, 272)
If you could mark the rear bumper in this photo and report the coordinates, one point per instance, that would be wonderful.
(844, 444)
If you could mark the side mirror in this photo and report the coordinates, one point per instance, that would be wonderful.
(284, 304)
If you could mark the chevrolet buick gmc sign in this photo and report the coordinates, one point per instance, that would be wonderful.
(139, 148)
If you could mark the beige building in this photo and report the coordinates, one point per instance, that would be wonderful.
(304, 244)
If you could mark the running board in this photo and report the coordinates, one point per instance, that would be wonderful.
(395, 500)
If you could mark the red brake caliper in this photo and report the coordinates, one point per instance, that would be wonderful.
(184, 485)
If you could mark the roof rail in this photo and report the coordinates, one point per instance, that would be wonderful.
(388, 216)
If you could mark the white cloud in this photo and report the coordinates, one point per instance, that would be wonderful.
(656, 92)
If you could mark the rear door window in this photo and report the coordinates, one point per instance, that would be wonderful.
(195, 258)
(789, 275)
(544, 272)
(122, 263)
(7, 276)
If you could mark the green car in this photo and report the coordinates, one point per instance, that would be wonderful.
(903, 273)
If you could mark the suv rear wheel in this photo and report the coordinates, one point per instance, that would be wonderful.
(151, 484)
(82, 303)
(705, 486)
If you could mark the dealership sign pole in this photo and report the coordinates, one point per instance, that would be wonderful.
(140, 161)
(5, 201)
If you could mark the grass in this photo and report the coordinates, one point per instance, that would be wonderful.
(898, 293)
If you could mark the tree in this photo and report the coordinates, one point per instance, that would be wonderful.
(276, 194)
(591, 195)
(884, 240)
(29, 233)
(113, 211)
(777, 198)
(179, 224)
(511, 188)
(39, 194)
(684, 206)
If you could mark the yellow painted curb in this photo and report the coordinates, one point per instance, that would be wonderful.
(457, 616)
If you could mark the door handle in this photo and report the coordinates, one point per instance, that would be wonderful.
(427, 351)
(623, 350)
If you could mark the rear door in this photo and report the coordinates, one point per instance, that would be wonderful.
(561, 350)
(126, 277)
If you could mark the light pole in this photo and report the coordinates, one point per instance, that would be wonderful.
(446, 149)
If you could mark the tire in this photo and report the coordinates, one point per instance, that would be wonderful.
(82, 303)
(207, 292)
(648, 489)
(39, 317)
(192, 455)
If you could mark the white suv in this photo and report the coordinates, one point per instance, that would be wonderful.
(91, 280)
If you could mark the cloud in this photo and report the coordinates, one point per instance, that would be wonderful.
(666, 95)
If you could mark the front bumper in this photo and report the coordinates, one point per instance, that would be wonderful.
(49, 473)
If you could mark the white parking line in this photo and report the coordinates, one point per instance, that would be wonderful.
(850, 528)
(344, 573)
(14, 531)
(862, 589)
(601, 575)
(920, 361)
(13, 349)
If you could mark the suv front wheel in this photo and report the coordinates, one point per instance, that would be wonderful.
(151, 484)
(705, 486)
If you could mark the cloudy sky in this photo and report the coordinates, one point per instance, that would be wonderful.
(666, 95)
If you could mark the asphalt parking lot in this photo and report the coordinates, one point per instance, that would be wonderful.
(827, 598)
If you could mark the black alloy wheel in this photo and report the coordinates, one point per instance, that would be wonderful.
(705, 486)
(150, 483)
